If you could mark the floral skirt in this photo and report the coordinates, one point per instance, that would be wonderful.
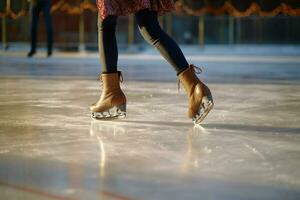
(126, 7)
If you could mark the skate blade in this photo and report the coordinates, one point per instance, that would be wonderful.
(116, 112)
(205, 107)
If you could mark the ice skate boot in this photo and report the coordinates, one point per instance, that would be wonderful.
(112, 103)
(199, 96)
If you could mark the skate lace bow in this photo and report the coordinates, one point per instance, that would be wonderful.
(195, 69)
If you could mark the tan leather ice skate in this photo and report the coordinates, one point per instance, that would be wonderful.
(112, 103)
(199, 95)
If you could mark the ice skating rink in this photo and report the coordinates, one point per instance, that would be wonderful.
(247, 148)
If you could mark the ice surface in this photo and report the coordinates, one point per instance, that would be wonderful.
(247, 148)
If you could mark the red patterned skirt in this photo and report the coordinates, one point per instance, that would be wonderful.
(126, 7)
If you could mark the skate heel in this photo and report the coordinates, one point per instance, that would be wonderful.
(205, 107)
(116, 112)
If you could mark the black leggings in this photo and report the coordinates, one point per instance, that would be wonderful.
(152, 33)
(45, 7)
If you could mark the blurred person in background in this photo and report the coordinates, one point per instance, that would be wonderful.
(38, 6)
(112, 103)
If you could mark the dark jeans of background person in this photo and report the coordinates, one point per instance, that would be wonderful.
(151, 31)
(43, 6)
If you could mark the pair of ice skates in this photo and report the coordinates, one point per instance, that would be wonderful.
(112, 103)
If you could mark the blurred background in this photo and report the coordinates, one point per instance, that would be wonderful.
(195, 22)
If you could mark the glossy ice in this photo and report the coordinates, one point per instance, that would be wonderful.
(50, 148)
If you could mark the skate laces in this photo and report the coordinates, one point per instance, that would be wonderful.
(195, 69)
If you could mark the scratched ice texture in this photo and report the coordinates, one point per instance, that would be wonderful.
(247, 148)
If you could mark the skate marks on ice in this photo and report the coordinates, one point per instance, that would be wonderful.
(134, 159)
(198, 161)
(247, 147)
(32, 179)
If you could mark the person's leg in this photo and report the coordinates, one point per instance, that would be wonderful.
(199, 95)
(153, 34)
(35, 12)
(112, 103)
(49, 27)
(107, 43)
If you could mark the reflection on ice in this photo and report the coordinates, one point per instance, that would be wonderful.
(101, 132)
(108, 133)
(247, 148)
(102, 157)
